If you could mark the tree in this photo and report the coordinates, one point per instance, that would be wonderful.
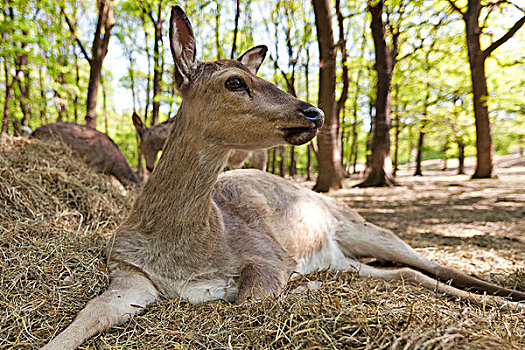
(99, 49)
(380, 173)
(477, 58)
(329, 142)
(158, 69)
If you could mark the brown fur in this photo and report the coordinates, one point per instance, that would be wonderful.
(152, 140)
(96, 148)
(201, 234)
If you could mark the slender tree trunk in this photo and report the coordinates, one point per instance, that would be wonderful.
(461, 157)
(381, 163)
(292, 169)
(418, 171)
(445, 158)
(282, 162)
(419, 158)
(43, 108)
(340, 105)
(236, 28)
(98, 52)
(309, 163)
(396, 145)
(217, 32)
(7, 98)
(148, 80)
(274, 159)
(23, 85)
(158, 66)
(61, 101)
(329, 143)
(77, 79)
(396, 132)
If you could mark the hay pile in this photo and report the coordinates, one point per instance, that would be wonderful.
(55, 217)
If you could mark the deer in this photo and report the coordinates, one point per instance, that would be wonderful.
(201, 234)
(95, 148)
(152, 140)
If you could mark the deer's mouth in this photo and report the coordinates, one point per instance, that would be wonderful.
(298, 135)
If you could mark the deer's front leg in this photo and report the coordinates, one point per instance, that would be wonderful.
(260, 278)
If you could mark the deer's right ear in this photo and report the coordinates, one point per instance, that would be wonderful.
(139, 125)
(253, 58)
(182, 43)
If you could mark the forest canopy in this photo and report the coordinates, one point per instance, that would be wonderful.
(51, 51)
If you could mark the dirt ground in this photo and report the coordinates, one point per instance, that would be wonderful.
(475, 225)
(56, 217)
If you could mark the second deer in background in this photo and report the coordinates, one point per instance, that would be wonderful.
(95, 148)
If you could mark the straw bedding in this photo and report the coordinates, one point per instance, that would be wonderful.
(56, 215)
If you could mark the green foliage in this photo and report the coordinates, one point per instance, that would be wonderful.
(431, 83)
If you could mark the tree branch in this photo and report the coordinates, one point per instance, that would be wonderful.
(285, 76)
(72, 29)
(504, 38)
(456, 8)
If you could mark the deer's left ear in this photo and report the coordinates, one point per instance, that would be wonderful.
(253, 58)
(182, 43)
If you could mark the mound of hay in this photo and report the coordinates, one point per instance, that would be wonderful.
(55, 218)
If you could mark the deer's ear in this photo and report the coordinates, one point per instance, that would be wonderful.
(139, 125)
(253, 58)
(182, 43)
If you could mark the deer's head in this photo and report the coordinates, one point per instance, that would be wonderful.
(150, 142)
(229, 104)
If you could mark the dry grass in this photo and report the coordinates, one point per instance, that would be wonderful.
(55, 217)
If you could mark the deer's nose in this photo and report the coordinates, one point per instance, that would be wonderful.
(315, 115)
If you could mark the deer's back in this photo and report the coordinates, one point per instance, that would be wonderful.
(94, 147)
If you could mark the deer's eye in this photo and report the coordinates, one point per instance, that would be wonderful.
(235, 84)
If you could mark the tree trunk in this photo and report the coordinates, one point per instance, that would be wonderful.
(445, 158)
(77, 79)
(340, 105)
(43, 108)
(282, 162)
(217, 33)
(419, 157)
(329, 155)
(396, 133)
(479, 89)
(5, 120)
(274, 159)
(236, 28)
(380, 162)
(309, 163)
(461, 157)
(158, 67)
(98, 53)
(292, 169)
(477, 57)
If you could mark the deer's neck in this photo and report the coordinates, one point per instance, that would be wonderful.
(176, 201)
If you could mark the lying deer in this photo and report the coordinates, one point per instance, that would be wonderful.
(152, 140)
(96, 148)
(200, 234)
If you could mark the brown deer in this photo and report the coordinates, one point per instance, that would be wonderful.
(200, 234)
(152, 140)
(96, 149)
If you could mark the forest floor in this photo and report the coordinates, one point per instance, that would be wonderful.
(56, 217)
